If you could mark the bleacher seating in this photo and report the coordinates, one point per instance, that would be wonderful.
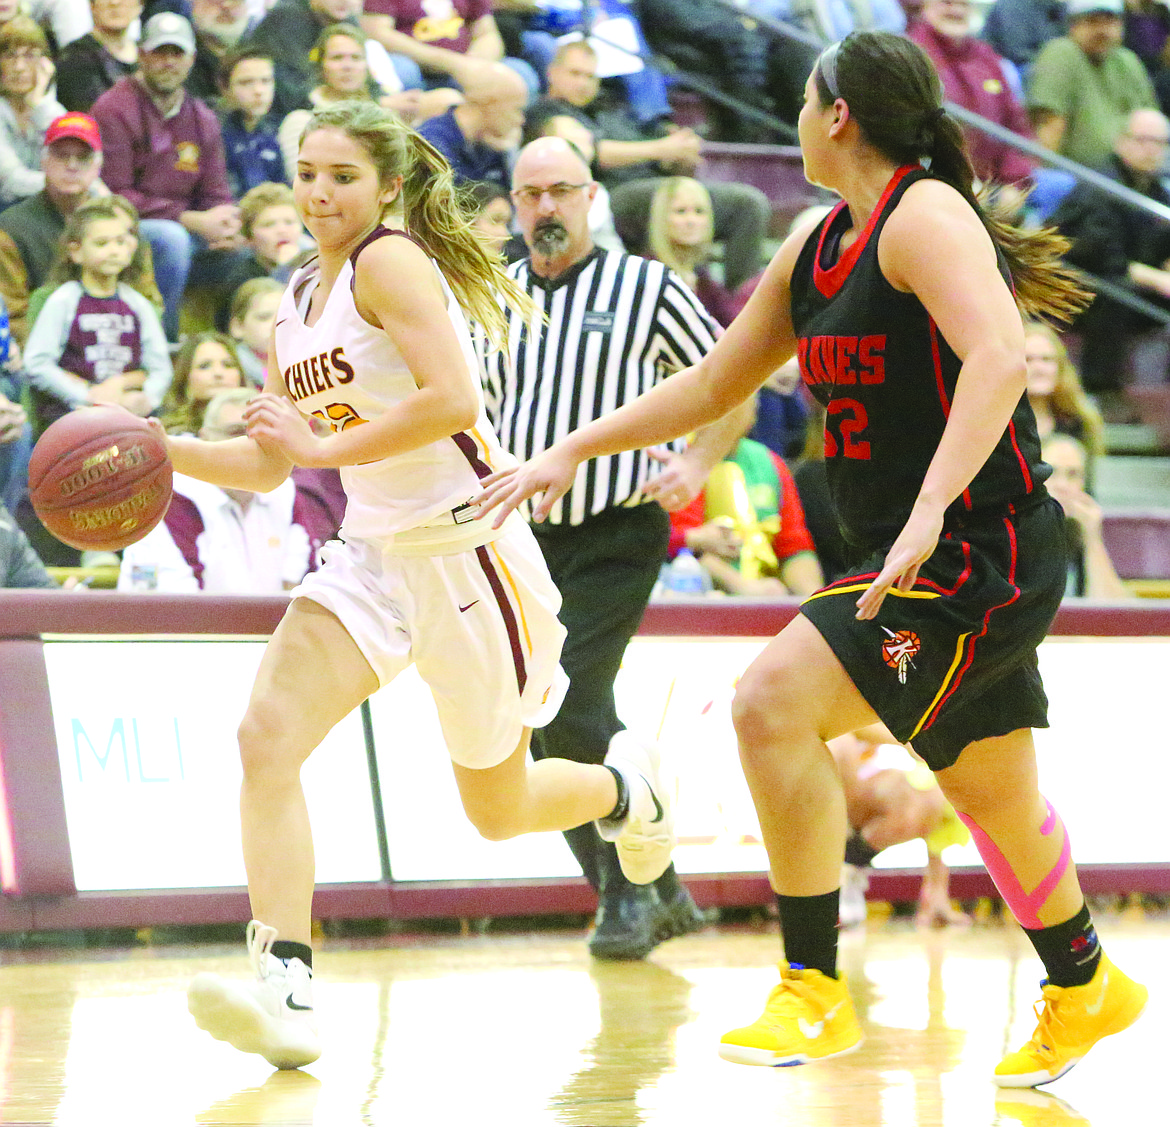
(777, 170)
(1139, 542)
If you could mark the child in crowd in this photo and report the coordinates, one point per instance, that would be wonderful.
(206, 363)
(97, 338)
(271, 228)
(249, 135)
(253, 310)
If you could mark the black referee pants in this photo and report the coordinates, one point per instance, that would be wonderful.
(605, 568)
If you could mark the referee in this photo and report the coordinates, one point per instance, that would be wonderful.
(616, 325)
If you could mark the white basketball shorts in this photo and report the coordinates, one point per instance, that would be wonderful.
(480, 624)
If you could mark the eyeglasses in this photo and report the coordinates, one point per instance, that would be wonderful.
(22, 55)
(1139, 139)
(559, 193)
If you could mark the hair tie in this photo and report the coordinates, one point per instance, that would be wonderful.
(827, 64)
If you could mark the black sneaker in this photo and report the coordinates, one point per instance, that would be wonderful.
(627, 924)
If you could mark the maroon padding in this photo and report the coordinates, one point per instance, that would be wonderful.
(1138, 542)
(32, 773)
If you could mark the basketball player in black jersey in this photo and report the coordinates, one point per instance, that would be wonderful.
(904, 309)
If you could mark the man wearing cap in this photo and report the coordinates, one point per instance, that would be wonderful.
(29, 230)
(165, 154)
(1084, 85)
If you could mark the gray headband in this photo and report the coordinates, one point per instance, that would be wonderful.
(827, 65)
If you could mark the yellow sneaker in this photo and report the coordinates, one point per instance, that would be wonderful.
(809, 1016)
(1073, 1019)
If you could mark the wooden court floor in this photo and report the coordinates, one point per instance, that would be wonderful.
(524, 1030)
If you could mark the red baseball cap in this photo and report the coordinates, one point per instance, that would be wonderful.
(78, 125)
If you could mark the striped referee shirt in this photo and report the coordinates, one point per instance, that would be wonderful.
(617, 325)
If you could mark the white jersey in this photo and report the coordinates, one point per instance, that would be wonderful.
(345, 372)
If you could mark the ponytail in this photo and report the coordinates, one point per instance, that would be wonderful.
(436, 214)
(894, 94)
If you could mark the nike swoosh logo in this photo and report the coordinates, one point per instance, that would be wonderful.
(657, 806)
(293, 1005)
(1095, 1008)
(813, 1029)
(469, 605)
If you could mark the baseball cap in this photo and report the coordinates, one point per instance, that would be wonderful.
(1075, 8)
(78, 125)
(167, 28)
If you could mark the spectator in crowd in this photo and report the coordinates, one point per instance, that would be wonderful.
(726, 47)
(1120, 244)
(340, 56)
(1147, 28)
(444, 38)
(481, 134)
(274, 238)
(26, 110)
(250, 143)
(601, 222)
(611, 25)
(97, 338)
(1091, 573)
(20, 566)
(1084, 85)
(253, 310)
(1017, 29)
(746, 527)
(605, 542)
(491, 209)
(974, 77)
(91, 64)
(29, 230)
(891, 798)
(681, 234)
(220, 26)
(222, 541)
(1058, 400)
(206, 363)
(630, 158)
(165, 154)
(288, 33)
(15, 432)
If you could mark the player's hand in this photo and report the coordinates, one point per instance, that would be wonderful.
(12, 420)
(914, 546)
(550, 474)
(680, 482)
(273, 419)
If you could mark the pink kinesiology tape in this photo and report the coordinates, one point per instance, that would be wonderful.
(1025, 906)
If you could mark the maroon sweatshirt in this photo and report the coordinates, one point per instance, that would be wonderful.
(164, 166)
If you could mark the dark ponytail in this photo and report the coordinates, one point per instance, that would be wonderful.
(894, 94)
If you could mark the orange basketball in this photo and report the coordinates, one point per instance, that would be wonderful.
(100, 478)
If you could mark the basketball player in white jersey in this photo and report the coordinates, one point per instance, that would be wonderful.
(370, 339)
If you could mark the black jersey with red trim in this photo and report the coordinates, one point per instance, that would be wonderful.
(876, 360)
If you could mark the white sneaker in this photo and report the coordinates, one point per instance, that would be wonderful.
(854, 882)
(272, 1015)
(645, 837)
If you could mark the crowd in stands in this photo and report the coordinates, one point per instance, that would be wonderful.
(147, 223)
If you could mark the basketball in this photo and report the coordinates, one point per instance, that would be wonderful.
(100, 478)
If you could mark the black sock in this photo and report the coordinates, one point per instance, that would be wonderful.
(623, 800)
(1069, 951)
(858, 851)
(286, 949)
(808, 925)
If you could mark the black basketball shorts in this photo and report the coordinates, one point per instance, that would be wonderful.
(953, 660)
